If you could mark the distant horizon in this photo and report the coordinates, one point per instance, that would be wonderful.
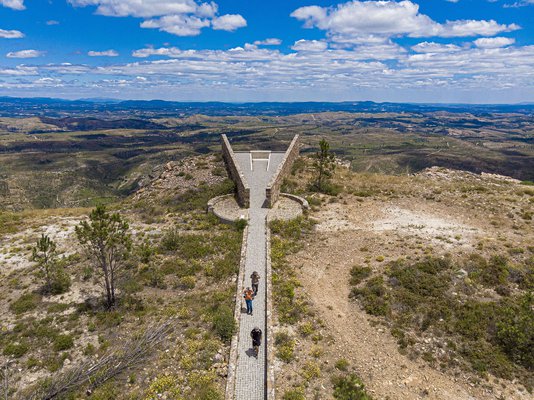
(109, 99)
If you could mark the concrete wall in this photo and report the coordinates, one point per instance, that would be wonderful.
(284, 169)
(235, 173)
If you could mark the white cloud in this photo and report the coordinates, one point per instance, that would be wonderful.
(20, 70)
(105, 53)
(178, 17)
(493, 43)
(310, 45)
(268, 42)
(431, 47)
(25, 54)
(52, 22)
(388, 19)
(11, 34)
(179, 25)
(164, 51)
(229, 22)
(144, 8)
(517, 4)
(14, 4)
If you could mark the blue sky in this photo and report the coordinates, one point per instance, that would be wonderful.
(474, 51)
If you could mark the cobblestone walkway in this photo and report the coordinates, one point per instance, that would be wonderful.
(250, 380)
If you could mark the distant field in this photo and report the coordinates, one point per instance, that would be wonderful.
(57, 162)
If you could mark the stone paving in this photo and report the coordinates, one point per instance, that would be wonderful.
(250, 379)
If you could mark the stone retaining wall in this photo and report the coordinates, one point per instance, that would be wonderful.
(240, 284)
(269, 336)
(273, 188)
(235, 173)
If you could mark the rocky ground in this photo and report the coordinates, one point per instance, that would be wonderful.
(378, 219)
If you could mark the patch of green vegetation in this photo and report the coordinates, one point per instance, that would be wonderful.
(495, 336)
(294, 394)
(63, 342)
(349, 387)
(16, 350)
(358, 274)
(224, 323)
(285, 346)
(26, 302)
(285, 240)
(196, 199)
(374, 297)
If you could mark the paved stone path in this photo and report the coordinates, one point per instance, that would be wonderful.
(250, 379)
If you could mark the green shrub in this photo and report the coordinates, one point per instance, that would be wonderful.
(373, 296)
(294, 394)
(60, 282)
(349, 387)
(63, 342)
(310, 371)
(188, 282)
(224, 323)
(16, 350)
(342, 364)
(515, 330)
(358, 274)
(25, 303)
(285, 346)
(241, 224)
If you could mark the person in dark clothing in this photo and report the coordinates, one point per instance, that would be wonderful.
(255, 334)
(255, 279)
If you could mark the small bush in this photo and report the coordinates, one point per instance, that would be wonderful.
(294, 394)
(285, 346)
(358, 274)
(224, 323)
(310, 371)
(241, 224)
(25, 303)
(349, 387)
(16, 350)
(342, 364)
(63, 342)
(373, 297)
(188, 282)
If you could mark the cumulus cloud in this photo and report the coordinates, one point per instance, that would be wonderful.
(25, 54)
(493, 43)
(309, 45)
(268, 42)
(14, 4)
(177, 17)
(179, 25)
(390, 19)
(20, 70)
(229, 22)
(105, 53)
(431, 47)
(164, 51)
(144, 8)
(11, 34)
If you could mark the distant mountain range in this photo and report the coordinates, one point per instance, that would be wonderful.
(39, 106)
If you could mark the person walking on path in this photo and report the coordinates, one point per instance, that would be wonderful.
(255, 334)
(255, 278)
(248, 294)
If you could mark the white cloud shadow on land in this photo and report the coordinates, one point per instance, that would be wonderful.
(177, 17)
